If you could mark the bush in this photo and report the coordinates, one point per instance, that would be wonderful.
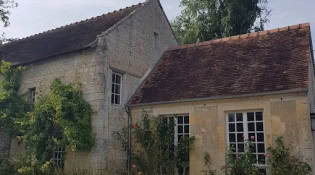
(281, 162)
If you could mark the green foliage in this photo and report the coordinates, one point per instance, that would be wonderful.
(154, 150)
(207, 162)
(13, 107)
(282, 162)
(206, 20)
(60, 119)
(63, 118)
(6, 167)
(242, 163)
(5, 5)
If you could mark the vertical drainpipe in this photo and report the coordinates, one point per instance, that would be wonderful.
(129, 140)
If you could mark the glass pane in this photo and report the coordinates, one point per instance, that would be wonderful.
(117, 89)
(259, 126)
(260, 137)
(239, 117)
(231, 117)
(179, 137)
(251, 136)
(186, 120)
(261, 148)
(250, 116)
(259, 116)
(261, 159)
(113, 98)
(180, 129)
(118, 79)
(240, 147)
(232, 137)
(113, 78)
(233, 147)
(180, 120)
(186, 129)
(117, 99)
(253, 148)
(232, 127)
(251, 126)
(240, 127)
(240, 137)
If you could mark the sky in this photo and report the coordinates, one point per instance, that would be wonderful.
(35, 16)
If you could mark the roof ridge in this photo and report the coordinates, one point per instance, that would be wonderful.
(244, 36)
(73, 24)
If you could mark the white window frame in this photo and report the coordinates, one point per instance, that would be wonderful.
(59, 156)
(183, 124)
(245, 132)
(113, 92)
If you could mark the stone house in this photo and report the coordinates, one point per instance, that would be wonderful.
(109, 55)
(225, 91)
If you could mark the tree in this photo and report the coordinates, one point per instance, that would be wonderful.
(5, 5)
(203, 20)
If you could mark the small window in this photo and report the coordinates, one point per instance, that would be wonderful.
(59, 157)
(156, 41)
(32, 95)
(116, 88)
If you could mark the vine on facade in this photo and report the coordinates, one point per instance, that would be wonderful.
(63, 118)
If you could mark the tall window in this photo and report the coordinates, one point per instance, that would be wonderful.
(32, 95)
(116, 88)
(182, 128)
(243, 126)
(59, 157)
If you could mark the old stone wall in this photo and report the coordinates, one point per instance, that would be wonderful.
(284, 115)
(131, 50)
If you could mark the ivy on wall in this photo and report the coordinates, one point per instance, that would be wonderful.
(60, 119)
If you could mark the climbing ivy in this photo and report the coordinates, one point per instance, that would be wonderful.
(60, 119)
(13, 107)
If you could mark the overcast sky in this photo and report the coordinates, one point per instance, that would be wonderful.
(35, 16)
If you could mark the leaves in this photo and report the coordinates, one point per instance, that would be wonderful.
(202, 20)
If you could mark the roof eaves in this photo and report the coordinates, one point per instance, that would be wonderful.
(297, 90)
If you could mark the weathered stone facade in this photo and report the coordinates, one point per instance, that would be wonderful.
(284, 115)
(128, 47)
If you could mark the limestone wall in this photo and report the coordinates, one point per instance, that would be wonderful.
(284, 115)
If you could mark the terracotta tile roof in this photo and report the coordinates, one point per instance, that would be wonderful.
(263, 62)
(66, 39)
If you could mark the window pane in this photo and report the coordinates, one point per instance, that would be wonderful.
(231, 117)
(259, 126)
(117, 89)
(261, 148)
(180, 120)
(259, 116)
(180, 129)
(240, 138)
(240, 127)
(240, 147)
(232, 137)
(251, 126)
(260, 137)
(250, 116)
(186, 120)
(117, 99)
(186, 129)
(118, 77)
(253, 148)
(233, 147)
(251, 136)
(113, 98)
(261, 158)
(232, 127)
(179, 137)
(239, 117)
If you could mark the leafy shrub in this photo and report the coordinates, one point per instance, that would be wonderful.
(282, 162)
